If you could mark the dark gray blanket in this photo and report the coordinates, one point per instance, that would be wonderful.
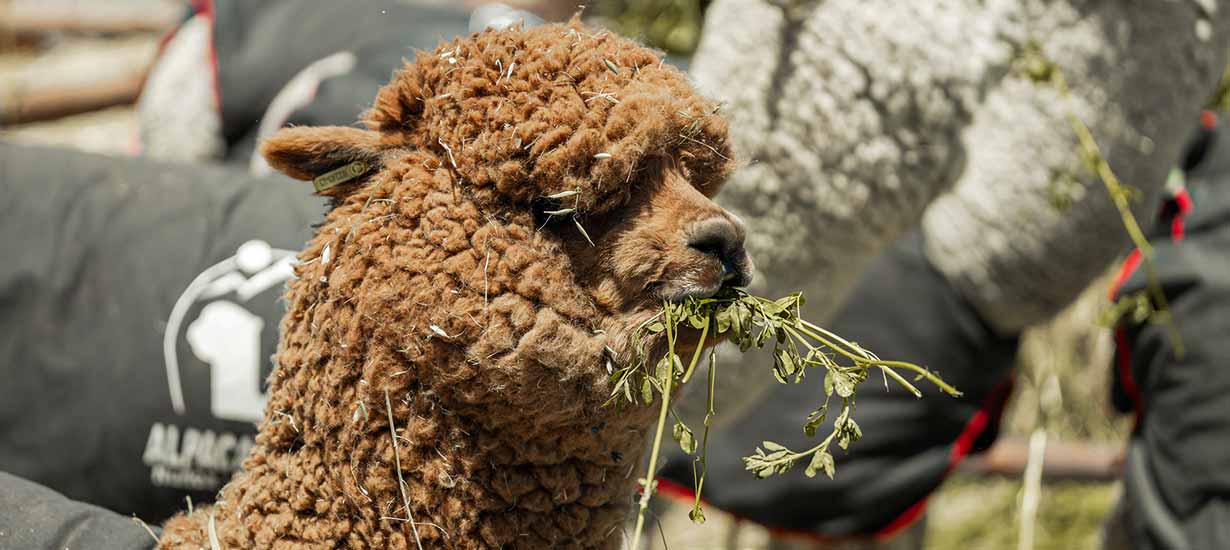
(1177, 485)
(139, 306)
(33, 517)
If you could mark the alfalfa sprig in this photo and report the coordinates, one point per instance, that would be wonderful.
(1149, 303)
(752, 322)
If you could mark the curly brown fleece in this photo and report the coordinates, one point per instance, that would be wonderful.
(431, 284)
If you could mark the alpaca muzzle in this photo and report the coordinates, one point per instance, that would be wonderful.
(722, 237)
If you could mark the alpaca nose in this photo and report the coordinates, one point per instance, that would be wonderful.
(722, 237)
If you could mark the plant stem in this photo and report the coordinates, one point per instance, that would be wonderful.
(1118, 196)
(928, 375)
(704, 440)
(823, 444)
(863, 360)
(829, 344)
(700, 346)
(871, 360)
(900, 380)
(829, 334)
(401, 482)
(648, 489)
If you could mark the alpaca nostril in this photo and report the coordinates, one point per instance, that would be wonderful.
(737, 269)
(722, 238)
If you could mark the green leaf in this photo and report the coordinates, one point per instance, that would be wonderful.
(764, 335)
(749, 321)
(822, 461)
(787, 303)
(842, 382)
(697, 515)
(814, 420)
(722, 319)
(698, 320)
(856, 432)
(784, 364)
(663, 371)
(771, 309)
(847, 429)
(782, 467)
(745, 342)
(797, 365)
(739, 317)
(683, 435)
(778, 371)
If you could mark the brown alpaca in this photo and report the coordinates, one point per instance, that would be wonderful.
(440, 285)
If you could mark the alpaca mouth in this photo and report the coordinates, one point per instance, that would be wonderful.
(704, 283)
(692, 291)
(678, 291)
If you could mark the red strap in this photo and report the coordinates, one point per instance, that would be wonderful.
(1208, 119)
(903, 521)
(1125, 272)
(1184, 201)
(991, 411)
(1123, 362)
(1123, 354)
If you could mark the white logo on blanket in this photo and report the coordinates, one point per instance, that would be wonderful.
(226, 334)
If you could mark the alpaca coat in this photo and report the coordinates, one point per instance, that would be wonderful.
(862, 120)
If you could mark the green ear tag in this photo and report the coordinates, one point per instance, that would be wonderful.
(339, 176)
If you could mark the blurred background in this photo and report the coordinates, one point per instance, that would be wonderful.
(70, 75)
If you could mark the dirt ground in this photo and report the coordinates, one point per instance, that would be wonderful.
(1062, 375)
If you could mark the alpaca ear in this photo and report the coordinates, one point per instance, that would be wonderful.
(326, 155)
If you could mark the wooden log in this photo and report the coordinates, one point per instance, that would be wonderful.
(1065, 460)
(22, 18)
(51, 102)
(78, 75)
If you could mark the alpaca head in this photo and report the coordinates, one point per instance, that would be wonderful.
(528, 198)
(586, 139)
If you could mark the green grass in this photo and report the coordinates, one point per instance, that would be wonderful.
(981, 514)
